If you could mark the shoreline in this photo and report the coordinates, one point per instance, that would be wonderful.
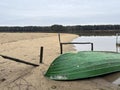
(26, 47)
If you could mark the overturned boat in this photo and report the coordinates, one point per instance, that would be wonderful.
(84, 64)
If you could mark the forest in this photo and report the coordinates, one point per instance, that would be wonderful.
(77, 29)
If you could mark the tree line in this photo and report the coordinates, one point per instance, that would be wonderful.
(77, 29)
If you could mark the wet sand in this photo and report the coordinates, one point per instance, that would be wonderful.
(26, 46)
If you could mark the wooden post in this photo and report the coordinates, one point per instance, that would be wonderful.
(117, 43)
(41, 55)
(116, 38)
(91, 46)
(59, 37)
(61, 48)
(60, 43)
(117, 48)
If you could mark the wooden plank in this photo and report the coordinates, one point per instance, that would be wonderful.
(18, 60)
(76, 43)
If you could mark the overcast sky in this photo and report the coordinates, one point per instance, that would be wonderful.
(64, 12)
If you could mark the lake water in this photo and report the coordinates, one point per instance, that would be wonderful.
(100, 43)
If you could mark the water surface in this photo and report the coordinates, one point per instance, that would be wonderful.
(100, 43)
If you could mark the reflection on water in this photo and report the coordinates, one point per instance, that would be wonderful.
(100, 43)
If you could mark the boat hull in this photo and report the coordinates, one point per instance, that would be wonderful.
(84, 64)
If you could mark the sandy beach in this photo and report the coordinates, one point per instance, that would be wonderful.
(26, 46)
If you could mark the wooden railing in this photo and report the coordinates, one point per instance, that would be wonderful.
(63, 43)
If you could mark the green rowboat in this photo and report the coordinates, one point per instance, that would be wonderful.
(84, 64)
